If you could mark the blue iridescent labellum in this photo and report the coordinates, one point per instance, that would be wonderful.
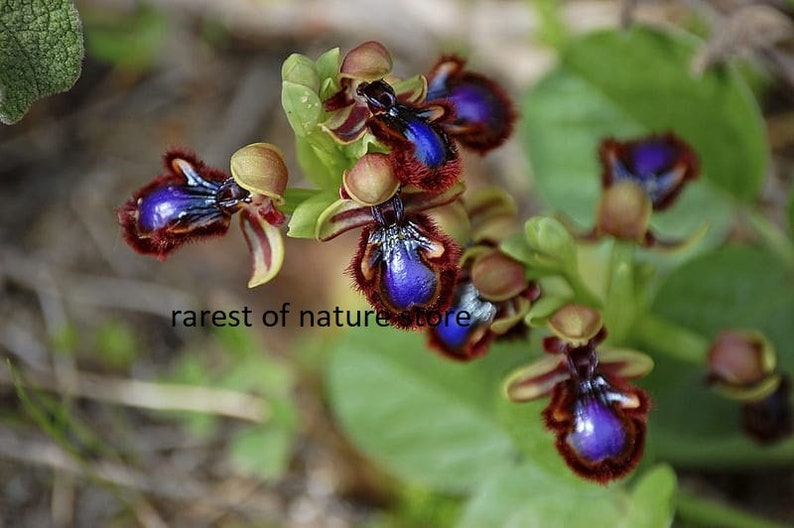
(405, 266)
(465, 334)
(484, 114)
(599, 420)
(189, 202)
(424, 154)
(661, 165)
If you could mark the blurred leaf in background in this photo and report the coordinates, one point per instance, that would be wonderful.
(243, 364)
(41, 53)
(633, 83)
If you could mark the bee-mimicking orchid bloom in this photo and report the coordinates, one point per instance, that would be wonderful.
(348, 113)
(597, 417)
(483, 113)
(660, 164)
(193, 202)
(404, 265)
(424, 154)
(189, 202)
(641, 176)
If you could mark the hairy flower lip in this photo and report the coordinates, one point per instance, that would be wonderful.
(484, 115)
(588, 449)
(181, 206)
(386, 268)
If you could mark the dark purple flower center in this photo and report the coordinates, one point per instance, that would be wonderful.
(473, 103)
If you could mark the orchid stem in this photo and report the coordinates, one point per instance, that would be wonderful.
(671, 339)
(621, 305)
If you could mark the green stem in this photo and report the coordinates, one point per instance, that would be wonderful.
(772, 236)
(620, 308)
(581, 292)
(659, 335)
(705, 512)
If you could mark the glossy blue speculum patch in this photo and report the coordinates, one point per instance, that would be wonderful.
(167, 206)
(598, 433)
(472, 103)
(651, 157)
(453, 334)
(407, 279)
(429, 147)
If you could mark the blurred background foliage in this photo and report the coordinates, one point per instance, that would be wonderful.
(112, 417)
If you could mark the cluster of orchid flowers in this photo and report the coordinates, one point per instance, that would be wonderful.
(383, 155)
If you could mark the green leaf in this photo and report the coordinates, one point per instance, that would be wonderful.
(526, 497)
(263, 451)
(625, 84)
(41, 51)
(652, 499)
(319, 161)
(734, 287)
(426, 420)
(294, 196)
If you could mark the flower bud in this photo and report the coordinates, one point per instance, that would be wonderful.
(624, 212)
(371, 181)
(260, 169)
(369, 61)
(299, 69)
(576, 324)
(741, 364)
(498, 277)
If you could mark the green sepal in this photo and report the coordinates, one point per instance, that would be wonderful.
(303, 222)
(302, 107)
(299, 69)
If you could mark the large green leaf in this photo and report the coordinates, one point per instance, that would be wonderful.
(733, 287)
(625, 84)
(41, 51)
(526, 497)
(425, 419)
